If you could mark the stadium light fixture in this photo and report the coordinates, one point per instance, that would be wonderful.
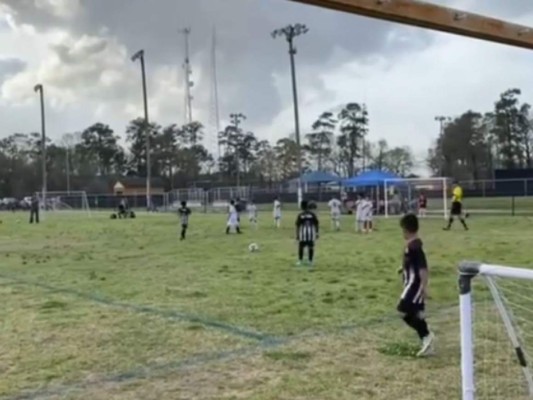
(290, 32)
(139, 56)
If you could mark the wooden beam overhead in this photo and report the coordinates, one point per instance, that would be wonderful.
(439, 18)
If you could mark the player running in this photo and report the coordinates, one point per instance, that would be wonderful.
(415, 279)
(252, 213)
(307, 227)
(335, 208)
(457, 207)
(233, 219)
(277, 212)
(422, 205)
(184, 213)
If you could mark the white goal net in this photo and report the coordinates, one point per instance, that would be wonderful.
(496, 332)
(73, 201)
(401, 196)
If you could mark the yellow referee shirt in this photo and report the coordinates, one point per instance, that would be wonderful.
(457, 194)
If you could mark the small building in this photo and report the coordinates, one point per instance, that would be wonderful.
(135, 186)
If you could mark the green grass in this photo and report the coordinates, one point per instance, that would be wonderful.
(100, 309)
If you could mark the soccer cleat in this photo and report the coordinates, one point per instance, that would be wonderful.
(299, 264)
(427, 346)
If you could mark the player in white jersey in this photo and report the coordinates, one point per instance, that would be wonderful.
(368, 215)
(335, 209)
(233, 218)
(252, 213)
(277, 212)
(359, 203)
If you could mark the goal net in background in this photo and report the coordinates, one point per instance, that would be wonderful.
(72, 201)
(496, 306)
(401, 196)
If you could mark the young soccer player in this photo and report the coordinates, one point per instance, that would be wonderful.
(422, 205)
(184, 213)
(307, 227)
(367, 216)
(233, 219)
(277, 212)
(335, 208)
(359, 214)
(252, 213)
(457, 207)
(415, 279)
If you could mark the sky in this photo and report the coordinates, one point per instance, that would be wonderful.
(80, 51)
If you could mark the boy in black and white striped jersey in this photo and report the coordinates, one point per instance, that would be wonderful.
(307, 230)
(184, 213)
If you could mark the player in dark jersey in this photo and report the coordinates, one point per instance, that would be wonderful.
(307, 229)
(184, 212)
(422, 205)
(415, 278)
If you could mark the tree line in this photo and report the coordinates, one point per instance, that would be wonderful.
(335, 143)
(474, 144)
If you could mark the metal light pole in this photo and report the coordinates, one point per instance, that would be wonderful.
(188, 82)
(236, 120)
(140, 56)
(39, 89)
(290, 32)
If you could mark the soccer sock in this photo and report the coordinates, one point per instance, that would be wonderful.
(464, 223)
(450, 223)
(418, 324)
(311, 251)
(238, 229)
(183, 231)
(300, 252)
(227, 230)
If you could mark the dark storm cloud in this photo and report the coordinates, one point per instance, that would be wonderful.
(10, 66)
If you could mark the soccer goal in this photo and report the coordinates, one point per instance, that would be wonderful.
(496, 308)
(401, 196)
(73, 201)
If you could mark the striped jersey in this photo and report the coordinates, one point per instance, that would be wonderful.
(307, 227)
(184, 213)
(414, 260)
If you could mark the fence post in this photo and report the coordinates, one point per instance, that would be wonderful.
(513, 206)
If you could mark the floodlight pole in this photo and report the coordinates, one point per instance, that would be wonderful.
(236, 120)
(290, 32)
(140, 56)
(39, 89)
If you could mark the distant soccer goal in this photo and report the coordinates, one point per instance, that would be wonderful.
(401, 196)
(496, 304)
(73, 201)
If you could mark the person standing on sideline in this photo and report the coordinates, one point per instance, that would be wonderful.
(277, 212)
(34, 209)
(422, 205)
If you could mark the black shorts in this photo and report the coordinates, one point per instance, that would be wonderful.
(412, 302)
(307, 244)
(457, 208)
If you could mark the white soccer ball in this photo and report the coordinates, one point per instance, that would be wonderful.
(253, 247)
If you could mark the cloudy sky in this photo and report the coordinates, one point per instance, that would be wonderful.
(80, 50)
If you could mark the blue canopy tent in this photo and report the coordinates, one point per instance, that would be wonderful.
(379, 182)
(371, 178)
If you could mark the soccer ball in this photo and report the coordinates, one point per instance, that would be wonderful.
(253, 247)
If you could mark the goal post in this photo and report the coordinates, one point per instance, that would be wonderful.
(496, 331)
(401, 196)
(62, 201)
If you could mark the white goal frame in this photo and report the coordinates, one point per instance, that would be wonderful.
(469, 270)
(423, 182)
(45, 197)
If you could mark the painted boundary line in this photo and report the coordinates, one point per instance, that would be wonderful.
(162, 370)
(148, 310)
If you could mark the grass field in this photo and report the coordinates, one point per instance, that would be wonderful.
(101, 309)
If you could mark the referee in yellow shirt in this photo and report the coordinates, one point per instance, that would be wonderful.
(457, 207)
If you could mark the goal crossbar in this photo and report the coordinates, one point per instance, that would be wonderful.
(468, 270)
